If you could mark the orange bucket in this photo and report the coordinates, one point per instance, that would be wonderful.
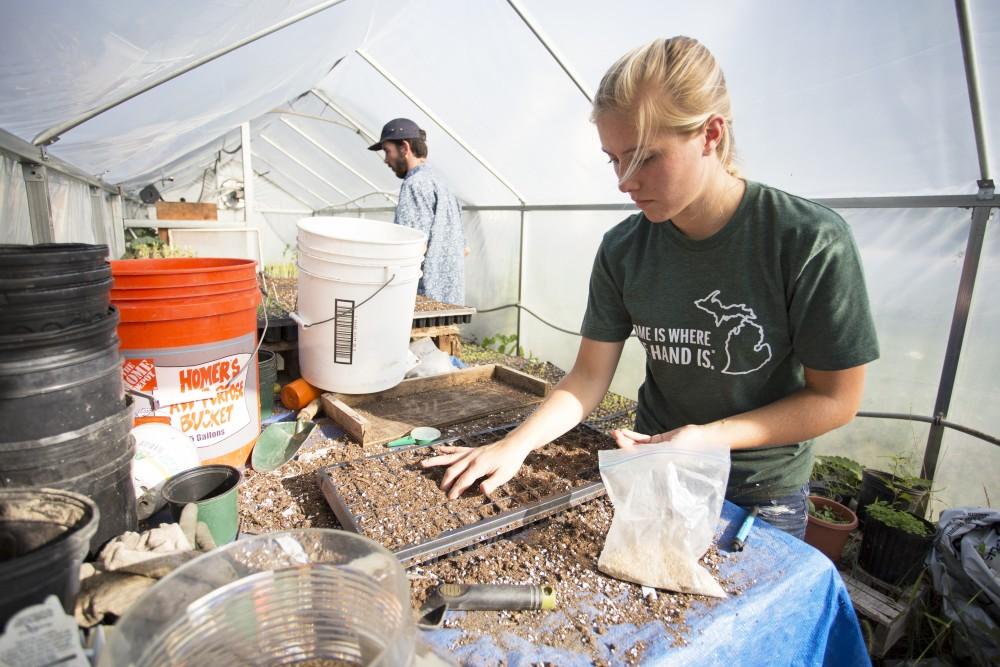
(188, 335)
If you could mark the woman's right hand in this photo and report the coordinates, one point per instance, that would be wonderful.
(497, 462)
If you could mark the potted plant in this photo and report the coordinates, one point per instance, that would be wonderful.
(836, 477)
(829, 526)
(894, 544)
(898, 488)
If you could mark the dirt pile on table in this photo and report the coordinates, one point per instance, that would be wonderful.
(561, 551)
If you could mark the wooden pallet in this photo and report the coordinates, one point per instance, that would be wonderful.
(439, 400)
(889, 614)
(447, 338)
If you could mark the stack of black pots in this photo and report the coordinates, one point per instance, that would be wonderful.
(65, 419)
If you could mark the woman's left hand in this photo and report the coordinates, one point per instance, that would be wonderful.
(692, 434)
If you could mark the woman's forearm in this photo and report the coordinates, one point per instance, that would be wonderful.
(574, 397)
(829, 400)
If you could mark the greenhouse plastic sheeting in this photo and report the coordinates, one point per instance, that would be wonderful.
(889, 115)
(795, 611)
(16, 226)
(106, 49)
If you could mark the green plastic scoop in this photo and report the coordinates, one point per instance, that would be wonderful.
(422, 435)
(278, 443)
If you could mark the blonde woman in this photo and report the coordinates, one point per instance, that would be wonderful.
(750, 302)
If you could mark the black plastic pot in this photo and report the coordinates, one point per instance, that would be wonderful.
(52, 287)
(49, 259)
(892, 555)
(875, 485)
(95, 461)
(44, 535)
(57, 278)
(54, 308)
(59, 381)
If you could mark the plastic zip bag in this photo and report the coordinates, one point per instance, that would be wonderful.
(667, 501)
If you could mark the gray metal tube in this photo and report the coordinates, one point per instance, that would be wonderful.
(36, 182)
(921, 201)
(959, 322)
(551, 49)
(972, 82)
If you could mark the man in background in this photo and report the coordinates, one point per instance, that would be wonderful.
(426, 203)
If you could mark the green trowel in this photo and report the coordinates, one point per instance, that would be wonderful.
(278, 443)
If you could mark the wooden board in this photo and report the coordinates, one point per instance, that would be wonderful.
(440, 400)
(446, 338)
(431, 332)
(184, 210)
(890, 616)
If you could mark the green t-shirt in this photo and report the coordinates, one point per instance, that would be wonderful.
(728, 322)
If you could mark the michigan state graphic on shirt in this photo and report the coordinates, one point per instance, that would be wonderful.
(734, 345)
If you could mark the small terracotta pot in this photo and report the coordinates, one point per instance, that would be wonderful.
(830, 538)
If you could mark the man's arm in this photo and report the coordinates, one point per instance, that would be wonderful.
(416, 206)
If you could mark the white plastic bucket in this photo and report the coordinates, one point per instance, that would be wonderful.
(361, 239)
(355, 308)
(339, 267)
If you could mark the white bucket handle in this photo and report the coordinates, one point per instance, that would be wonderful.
(305, 325)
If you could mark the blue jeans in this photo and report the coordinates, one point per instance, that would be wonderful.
(788, 513)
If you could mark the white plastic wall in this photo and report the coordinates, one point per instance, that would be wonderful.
(969, 469)
(15, 225)
(913, 262)
(491, 271)
(71, 209)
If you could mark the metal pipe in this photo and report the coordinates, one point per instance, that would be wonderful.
(551, 49)
(959, 322)
(323, 149)
(302, 164)
(264, 177)
(330, 104)
(930, 420)
(972, 83)
(52, 134)
(332, 207)
(520, 279)
(285, 211)
(311, 116)
(21, 151)
(440, 123)
(246, 151)
(36, 183)
(932, 201)
(322, 200)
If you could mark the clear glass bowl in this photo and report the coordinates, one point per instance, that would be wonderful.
(312, 596)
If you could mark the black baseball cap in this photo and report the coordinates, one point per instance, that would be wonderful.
(396, 130)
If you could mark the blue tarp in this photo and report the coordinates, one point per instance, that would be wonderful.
(795, 611)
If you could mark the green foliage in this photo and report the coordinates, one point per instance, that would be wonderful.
(904, 485)
(899, 467)
(841, 475)
(888, 515)
(281, 270)
(146, 244)
(826, 514)
(502, 343)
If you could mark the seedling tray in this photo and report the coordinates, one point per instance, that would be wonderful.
(390, 499)
(438, 401)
